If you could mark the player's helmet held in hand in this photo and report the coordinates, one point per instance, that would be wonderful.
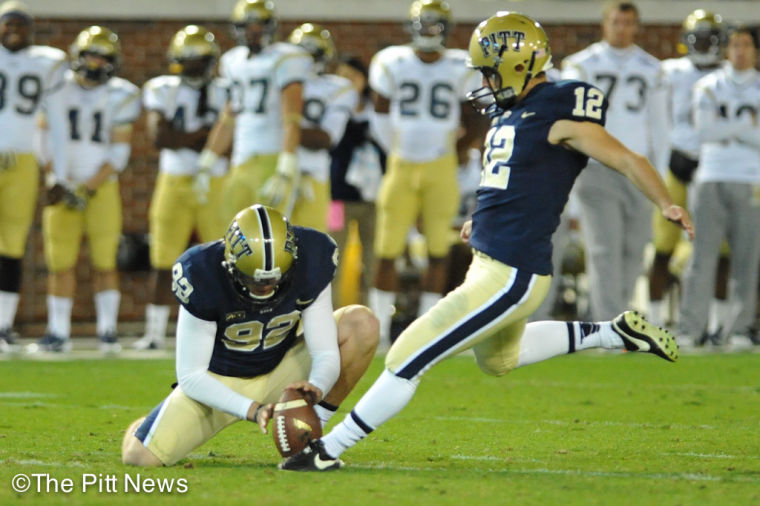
(429, 22)
(703, 36)
(193, 53)
(508, 49)
(260, 253)
(96, 54)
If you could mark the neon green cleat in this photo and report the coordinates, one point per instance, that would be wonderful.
(640, 335)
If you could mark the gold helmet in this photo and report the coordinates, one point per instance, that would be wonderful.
(317, 41)
(192, 54)
(259, 253)
(429, 22)
(703, 34)
(254, 12)
(508, 49)
(99, 41)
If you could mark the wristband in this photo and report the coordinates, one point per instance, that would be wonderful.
(256, 413)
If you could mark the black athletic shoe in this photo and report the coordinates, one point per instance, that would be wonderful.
(640, 335)
(312, 458)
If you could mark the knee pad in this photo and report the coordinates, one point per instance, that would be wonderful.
(10, 274)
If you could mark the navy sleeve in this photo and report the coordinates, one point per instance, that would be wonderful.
(580, 101)
(192, 283)
(318, 261)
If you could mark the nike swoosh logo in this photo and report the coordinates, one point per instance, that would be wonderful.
(527, 114)
(307, 301)
(322, 464)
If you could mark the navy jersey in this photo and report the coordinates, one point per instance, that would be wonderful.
(252, 339)
(526, 180)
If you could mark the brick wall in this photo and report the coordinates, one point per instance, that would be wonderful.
(144, 45)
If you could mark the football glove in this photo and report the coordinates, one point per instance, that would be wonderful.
(201, 185)
(73, 199)
(279, 191)
(77, 199)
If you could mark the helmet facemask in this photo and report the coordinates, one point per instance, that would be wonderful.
(254, 24)
(703, 37)
(95, 54)
(192, 55)
(428, 23)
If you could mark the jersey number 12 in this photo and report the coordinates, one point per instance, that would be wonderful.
(588, 103)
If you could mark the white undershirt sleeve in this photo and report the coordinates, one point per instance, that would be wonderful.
(195, 344)
(321, 335)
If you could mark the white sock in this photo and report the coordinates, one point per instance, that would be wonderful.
(59, 316)
(325, 412)
(544, 340)
(428, 300)
(8, 307)
(656, 310)
(156, 321)
(385, 398)
(718, 315)
(381, 303)
(107, 311)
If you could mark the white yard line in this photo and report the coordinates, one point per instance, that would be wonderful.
(605, 423)
(571, 472)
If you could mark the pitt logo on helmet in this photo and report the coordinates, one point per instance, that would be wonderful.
(497, 42)
(239, 247)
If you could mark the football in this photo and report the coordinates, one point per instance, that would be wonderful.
(294, 423)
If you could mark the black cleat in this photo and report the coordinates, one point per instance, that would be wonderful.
(640, 335)
(109, 343)
(312, 458)
(8, 341)
(50, 343)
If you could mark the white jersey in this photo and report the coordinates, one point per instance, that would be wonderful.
(256, 84)
(328, 101)
(179, 103)
(680, 74)
(632, 83)
(80, 121)
(425, 99)
(725, 117)
(26, 76)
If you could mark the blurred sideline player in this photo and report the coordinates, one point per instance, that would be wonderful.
(90, 127)
(28, 74)
(616, 220)
(726, 193)
(262, 119)
(255, 317)
(181, 107)
(541, 136)
(356, 167)
(420, 104)
(702, 38)
(327, 104)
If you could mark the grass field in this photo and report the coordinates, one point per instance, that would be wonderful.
(580, 430)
